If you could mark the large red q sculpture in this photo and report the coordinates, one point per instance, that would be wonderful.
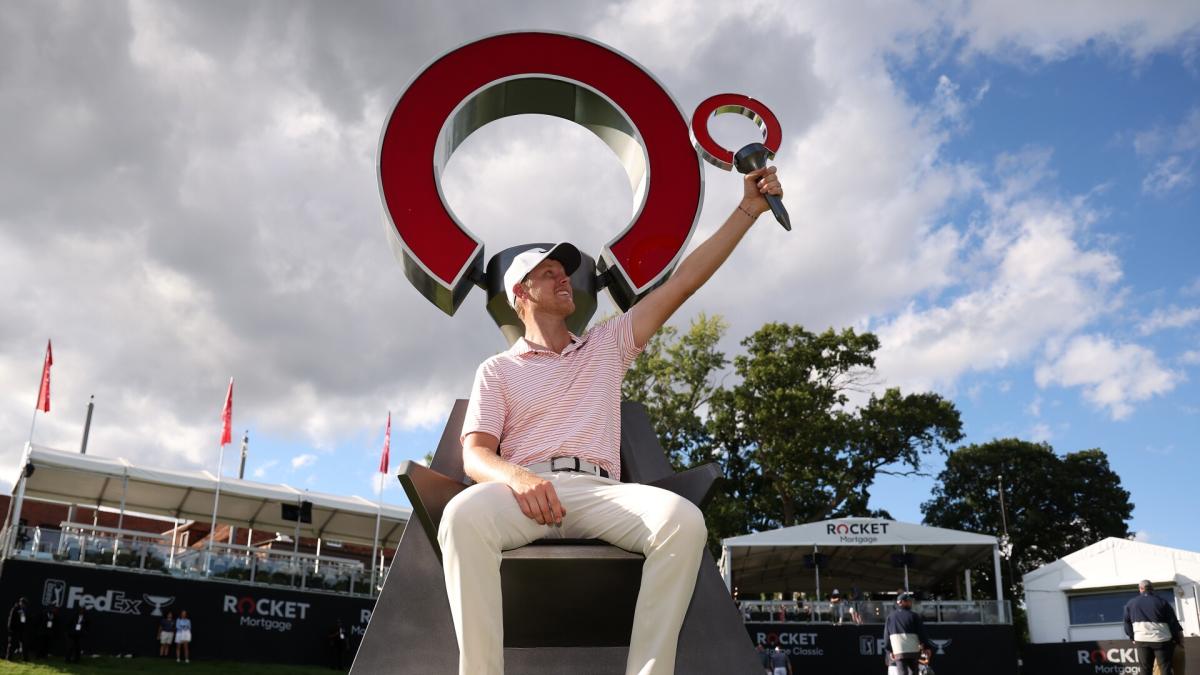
(553, 74)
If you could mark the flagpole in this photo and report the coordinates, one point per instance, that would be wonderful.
(387, 442)
(212, 531)
(375, 541)
(226, 423)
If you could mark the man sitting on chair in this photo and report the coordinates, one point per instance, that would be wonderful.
(541, 439)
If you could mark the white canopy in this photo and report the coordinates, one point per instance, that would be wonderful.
(867, 553)
(91, 480)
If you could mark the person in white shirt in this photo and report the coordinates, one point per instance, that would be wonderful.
(183, 637)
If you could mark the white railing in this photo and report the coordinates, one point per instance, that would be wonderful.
(82, 544)
(872, 611)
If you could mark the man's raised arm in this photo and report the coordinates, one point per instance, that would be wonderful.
(653, 311)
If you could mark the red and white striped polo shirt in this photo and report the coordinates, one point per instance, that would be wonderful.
(542, 404)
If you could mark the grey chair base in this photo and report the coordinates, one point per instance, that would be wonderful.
(546, 631)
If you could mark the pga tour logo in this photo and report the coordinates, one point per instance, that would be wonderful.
(873, 646)
(56, 593)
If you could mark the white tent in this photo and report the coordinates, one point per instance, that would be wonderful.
(862, 552)
(91, 480)
(1081, 596)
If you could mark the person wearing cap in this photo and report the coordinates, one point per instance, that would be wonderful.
(780, 663)
(837, 609)
(1151, 623)
(904, 637)
(541, 439)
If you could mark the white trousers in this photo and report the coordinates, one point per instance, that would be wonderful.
(484, 520)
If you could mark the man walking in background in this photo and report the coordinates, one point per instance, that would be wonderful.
(1151, 623)
(904, 637)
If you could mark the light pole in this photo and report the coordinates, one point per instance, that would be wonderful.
(1006, 546)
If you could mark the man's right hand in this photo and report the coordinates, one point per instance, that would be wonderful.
(536, 497)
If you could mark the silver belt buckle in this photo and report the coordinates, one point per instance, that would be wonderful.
(573, 464)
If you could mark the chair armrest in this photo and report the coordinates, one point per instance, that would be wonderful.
(429, 492)
(696, 485)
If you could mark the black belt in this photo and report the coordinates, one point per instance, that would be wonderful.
(573, 464)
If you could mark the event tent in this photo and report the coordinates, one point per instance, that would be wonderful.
(113, 482)
(867, 553)
(1106, 574)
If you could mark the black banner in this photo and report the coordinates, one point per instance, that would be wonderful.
(1102, 657)
(858, 650)
(229, 621)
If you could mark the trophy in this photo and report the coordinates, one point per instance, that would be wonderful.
(574, 79)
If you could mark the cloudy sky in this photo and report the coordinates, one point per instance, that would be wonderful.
(1006, 192)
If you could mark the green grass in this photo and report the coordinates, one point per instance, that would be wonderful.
(108, 665)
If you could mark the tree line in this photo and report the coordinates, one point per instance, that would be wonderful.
(801, 433)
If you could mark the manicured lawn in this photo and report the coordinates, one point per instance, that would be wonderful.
(108, 665)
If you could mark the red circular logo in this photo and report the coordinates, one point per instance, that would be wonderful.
(745, 106)
(548, 73)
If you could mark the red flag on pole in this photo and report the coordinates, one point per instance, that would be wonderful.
(43, 401)
(387, 446)
(227, 417)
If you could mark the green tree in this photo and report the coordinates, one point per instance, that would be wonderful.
(674, 379)
(1053, 505)
(790, 443)
(794, 447)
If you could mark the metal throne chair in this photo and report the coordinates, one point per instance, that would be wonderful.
(558, 624)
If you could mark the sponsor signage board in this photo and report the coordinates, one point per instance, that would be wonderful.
(1102, 657)
(858, 650)
(857, 532)
(230, 621)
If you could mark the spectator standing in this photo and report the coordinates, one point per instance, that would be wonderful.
(46, 630)
(904, 636)
(75, 632)
(337, 644)
(183, 637)
(166, 634)
(780, 663)
(1151, 623)
(764, 657)
(837, 608)
(18, 621)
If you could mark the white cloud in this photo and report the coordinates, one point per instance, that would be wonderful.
(1035, 407)
(1174, 152)
(1032, 280)
(1171, 317)
(1113, 376)
(1190, 358)
(261, 470)
(1058, 30)
(1167, 176)
(952, 108)
(1142, 536)
(382, 481)
(301, 461)
(228, 224)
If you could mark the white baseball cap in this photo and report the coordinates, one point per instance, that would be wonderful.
(524, 263)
